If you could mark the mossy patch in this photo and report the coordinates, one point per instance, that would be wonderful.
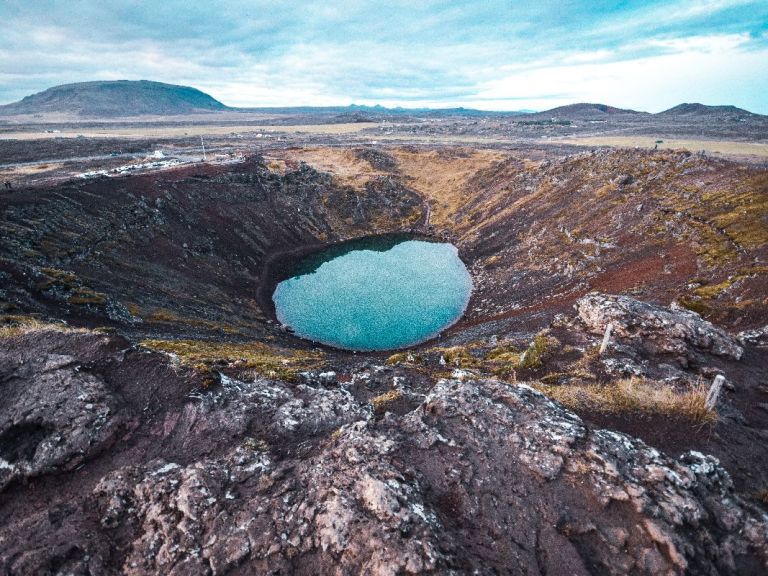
(460, 357)
(85, 296)
(262, 359)
(724, 219)
(491, 261)
(403, 358)
(134, 308)
(541, 347)
(17, 324)
(694, 305)
(381, 402)
(713, 290)
(165, 316)
(56, 277)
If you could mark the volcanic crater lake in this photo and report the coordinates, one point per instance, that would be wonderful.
(375, 294)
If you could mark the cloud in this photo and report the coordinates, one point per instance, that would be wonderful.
(495, 53)
(651, 83)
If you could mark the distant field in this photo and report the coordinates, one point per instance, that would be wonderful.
(179, 131)
(712, 146)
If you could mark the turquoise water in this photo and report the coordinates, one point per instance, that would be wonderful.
(375, 296)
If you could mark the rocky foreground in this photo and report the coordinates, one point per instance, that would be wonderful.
(116, 461)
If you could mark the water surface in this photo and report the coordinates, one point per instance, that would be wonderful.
(377, 294)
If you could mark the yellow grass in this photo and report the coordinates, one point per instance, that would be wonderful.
(443, 177)
(725, 147)
(342, 163)
(634, 395)
(16, 325)
(381, 401)
(191, 130)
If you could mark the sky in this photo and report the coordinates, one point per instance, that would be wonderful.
(487, 54)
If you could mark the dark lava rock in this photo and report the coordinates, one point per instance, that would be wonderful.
(657, 329)
(484, 475)
(757, 337)
(54, 414)
(270, 477)
(378, 159)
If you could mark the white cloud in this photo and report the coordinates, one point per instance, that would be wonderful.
(707, 44)
(712, 70)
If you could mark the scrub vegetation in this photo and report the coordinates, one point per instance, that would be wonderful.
(262, 359)
(634, 395)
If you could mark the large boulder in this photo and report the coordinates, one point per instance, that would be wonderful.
(657, 329)
(54, 414)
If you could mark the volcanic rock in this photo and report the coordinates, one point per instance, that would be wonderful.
(757, 337)
(264, 476)
(410, 496)
(54, 414)
(655, 328)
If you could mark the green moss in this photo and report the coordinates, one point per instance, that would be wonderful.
(694, 305)
(403, 358)
(541, 346)
(460, 356)
(56, 277)
(165, 316)
(723, 220)
(263, 359)
(709, 291)
(713, 290)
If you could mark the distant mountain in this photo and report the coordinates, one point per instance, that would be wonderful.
(704, 110)
(584, 111)
(116, 98)
(364, 111)
(121, 98)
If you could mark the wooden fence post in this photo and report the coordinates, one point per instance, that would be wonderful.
(714, 392)
(606, 339)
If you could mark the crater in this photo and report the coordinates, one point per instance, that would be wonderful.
(376, 293)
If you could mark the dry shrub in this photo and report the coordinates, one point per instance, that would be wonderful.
(635, 395)
(15, 325)
(381, 401)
